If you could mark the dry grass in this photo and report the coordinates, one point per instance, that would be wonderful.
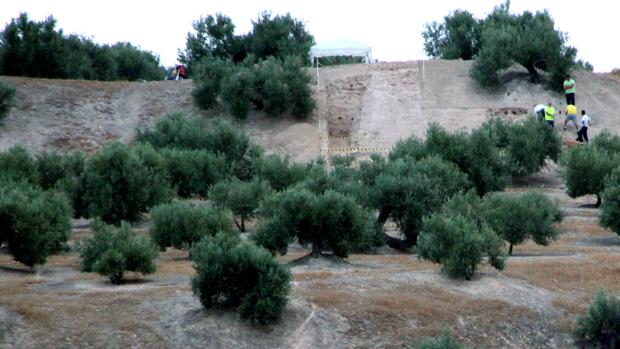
(56, 316)
(408, 261)
(578, 276)
(407, 312)
(174, 262)
(292, 256)
(312, 275)
(585, 227)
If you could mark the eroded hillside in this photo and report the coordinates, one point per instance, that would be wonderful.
(361, 108)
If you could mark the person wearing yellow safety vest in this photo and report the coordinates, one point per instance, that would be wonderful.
(569, 90)
(550, 114)
(571, 115)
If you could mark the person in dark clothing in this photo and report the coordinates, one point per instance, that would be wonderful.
(582, 135)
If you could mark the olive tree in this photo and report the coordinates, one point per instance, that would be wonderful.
(407, 190)
(328, 221)
(458, 37)
(112, 251)
(516, 218)
(34, 223)
(528, 39)
(610, 209)
(239, 275)
(241, 198)
(458, 244)
(180, 224)
(121, 182)
(600, 326)
(585, 169)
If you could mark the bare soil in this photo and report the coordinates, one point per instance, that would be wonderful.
(384, 300)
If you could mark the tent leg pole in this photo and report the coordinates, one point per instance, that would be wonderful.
(317, 74)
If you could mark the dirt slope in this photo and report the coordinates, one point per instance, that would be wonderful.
(369, 107)
(361, 108)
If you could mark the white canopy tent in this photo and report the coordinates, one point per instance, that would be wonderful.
(339, 47)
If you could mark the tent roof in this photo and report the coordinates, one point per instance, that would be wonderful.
(339, 47)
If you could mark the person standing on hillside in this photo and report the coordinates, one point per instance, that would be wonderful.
(539, 111)
(582, 135)
(550, 114)
(571, 115)
(569, 90)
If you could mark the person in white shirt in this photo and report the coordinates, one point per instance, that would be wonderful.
(539, 111)
(582, 135)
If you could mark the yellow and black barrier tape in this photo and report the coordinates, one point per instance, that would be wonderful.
(357, 138)
(357, 149)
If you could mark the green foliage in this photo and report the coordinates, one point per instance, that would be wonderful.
(208, 74)
(31, 49)
(275, 85)
(409, 190)
(7, 98)
(177, 130)
(232, 274)
(271, 87)
(180, 224)
(475, 154)
(219, 137)
(298, 81)
(213, 39)
(37, 49)
(122, 182)
(193, 172)
(458, 244)
(583, 65)
(279, 36)
(412, 148)
(499, 129)
(501, 40)
(527, 39)
(467, 204)
(516, 218)
(530, 143)
(63, 172)
(133, 64)
(319, 179)
(525, 144)
(18, 165)
(339, 60)
(278, 170)
(241, 198)
(607, 142)
(457, 38)
(50, 169)
(610, 210)
(328, 221)
(262, 70)
(444, 341)
(237, 91)
(600, 327)
(585, 169)
(33, 223)
(112, 251)
(53, 167)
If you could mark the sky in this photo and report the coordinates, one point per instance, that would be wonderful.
(392, 28)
